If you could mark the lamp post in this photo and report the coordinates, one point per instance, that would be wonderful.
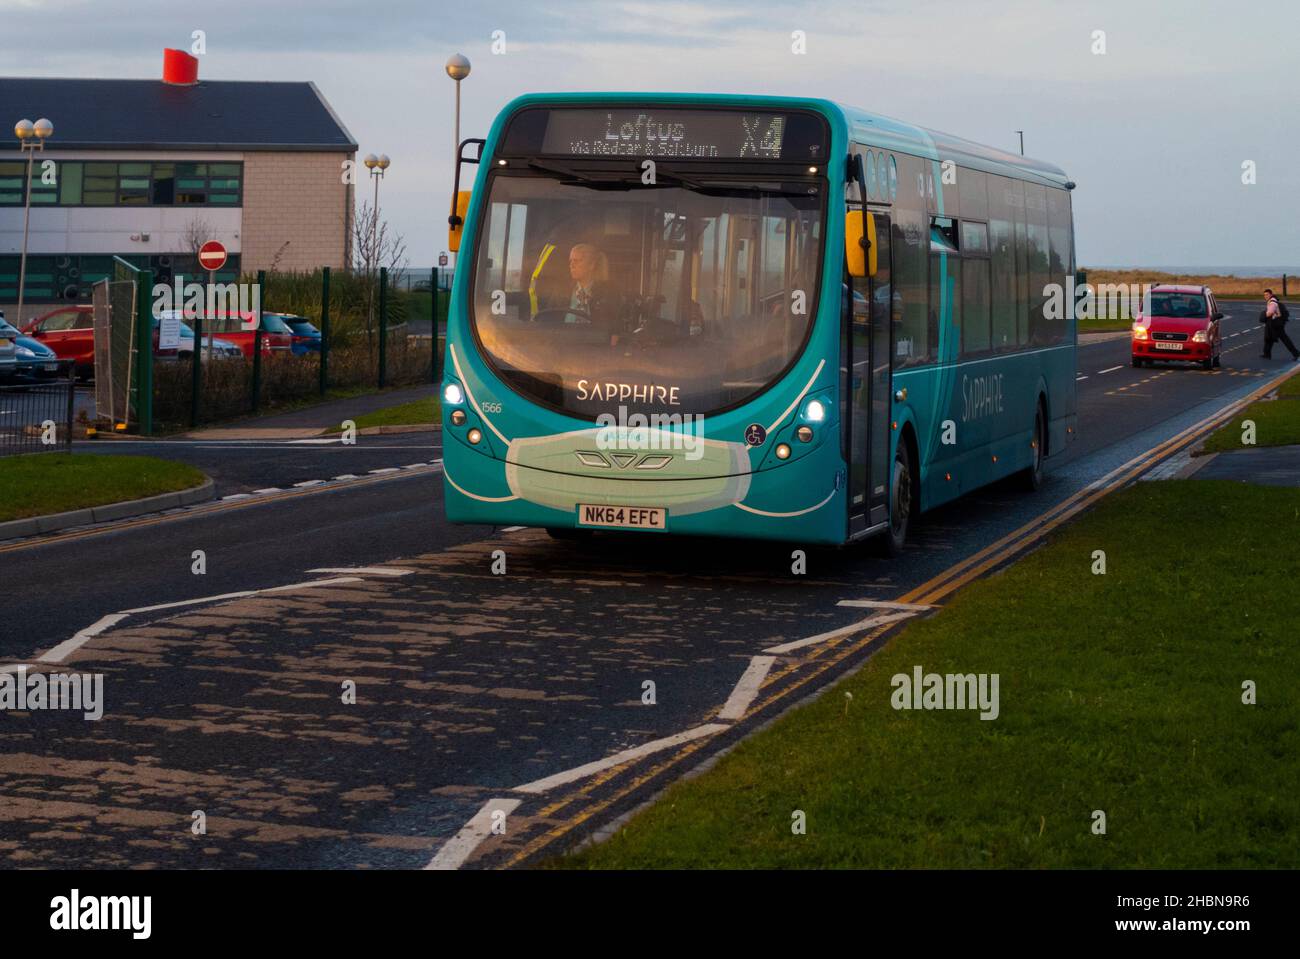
(31, 137)
(457, 68)
(376, 165)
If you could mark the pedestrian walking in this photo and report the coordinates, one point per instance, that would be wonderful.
(1274, 319)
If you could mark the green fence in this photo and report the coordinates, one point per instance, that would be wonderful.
(372, 336)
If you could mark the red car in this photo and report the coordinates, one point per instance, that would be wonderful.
(70, 332)
(277, 337)
(1178, 323)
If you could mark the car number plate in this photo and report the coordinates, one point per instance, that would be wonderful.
(1169, 346)
(623, 517)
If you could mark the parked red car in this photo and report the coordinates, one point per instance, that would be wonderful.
(70, 332)
(1179, 323)
(277, 337)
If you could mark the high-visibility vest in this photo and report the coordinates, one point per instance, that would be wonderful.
(547, 250)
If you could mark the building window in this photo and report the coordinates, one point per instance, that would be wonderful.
(69, 278)
(128, 183)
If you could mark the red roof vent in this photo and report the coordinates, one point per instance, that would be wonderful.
(180, 68)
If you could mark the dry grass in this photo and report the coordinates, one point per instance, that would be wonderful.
(1243, 286)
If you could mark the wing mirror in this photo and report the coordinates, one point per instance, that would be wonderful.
(1217, 315)
(860, 243)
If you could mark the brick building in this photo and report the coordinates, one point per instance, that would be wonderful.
(142, 169)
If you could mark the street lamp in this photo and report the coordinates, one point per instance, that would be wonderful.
(376, 165)
(31, 137)
(458, 69)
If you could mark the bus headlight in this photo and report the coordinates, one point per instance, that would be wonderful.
(815, 411)
(453, 394)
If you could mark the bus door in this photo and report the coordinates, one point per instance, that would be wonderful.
(869, 350)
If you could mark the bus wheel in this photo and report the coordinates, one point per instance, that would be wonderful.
(1033, 475)
(900, 503)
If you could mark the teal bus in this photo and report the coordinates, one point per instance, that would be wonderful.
(761, 317)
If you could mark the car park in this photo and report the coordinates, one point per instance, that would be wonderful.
(1178, 323)
(218, 347)
(8, 355)
(32, 359)
(306, 338)
(70, 332)
(240, 329)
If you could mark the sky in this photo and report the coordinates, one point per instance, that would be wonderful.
(1155, 130)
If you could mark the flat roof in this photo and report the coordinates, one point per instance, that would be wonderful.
(234, 115)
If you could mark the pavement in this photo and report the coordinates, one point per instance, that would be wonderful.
(476, 688)
(311, 420)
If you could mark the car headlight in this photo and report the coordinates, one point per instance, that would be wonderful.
(1139, 333)
(1201, 336)
(24, 351)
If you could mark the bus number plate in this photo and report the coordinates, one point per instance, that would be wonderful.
(623, 517)
(1169, 346)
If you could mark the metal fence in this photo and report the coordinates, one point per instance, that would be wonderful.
(115, 315)
(36, 417)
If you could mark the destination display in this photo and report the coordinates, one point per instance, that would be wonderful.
(670, 134)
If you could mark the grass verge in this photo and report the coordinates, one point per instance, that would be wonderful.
(42, 483)
(1277, 422)
(415, 412)
(1119, 692)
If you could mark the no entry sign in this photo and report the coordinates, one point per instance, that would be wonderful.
(212, 256)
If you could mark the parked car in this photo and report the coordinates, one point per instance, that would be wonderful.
(70, 332)
(306, 338)
(239, 329)
(8, 354)
(1178, 323)
(32, 358)
(222, 348)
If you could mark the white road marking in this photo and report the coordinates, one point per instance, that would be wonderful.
(374, 570)
(61, 652)
(414, 466)
(884, 604)
(79, 639)
(306, 483)
(390, 469)
(346, 476)
(236, 496)
(513, 529)
(461, 846)
(868, 623)
(1111, 370)
(316, 442)
(627, 755)
(269, 489)
(1081, 377)
(746, 688)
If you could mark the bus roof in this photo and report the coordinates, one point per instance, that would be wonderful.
(882, 131)
(860, 126)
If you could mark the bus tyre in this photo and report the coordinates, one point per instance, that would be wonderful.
(1033, 475)
(901, 502)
